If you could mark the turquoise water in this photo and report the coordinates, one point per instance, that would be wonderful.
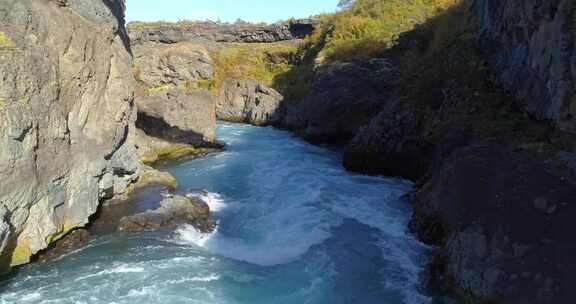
(293, 227)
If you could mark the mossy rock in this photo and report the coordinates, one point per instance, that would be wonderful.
(21, 254)
(6, 42)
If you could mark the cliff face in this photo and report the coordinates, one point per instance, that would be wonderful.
(220, 32)
(530, 48)
(495, 177)
(213, 67)
(66, 106)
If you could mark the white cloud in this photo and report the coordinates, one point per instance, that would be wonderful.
(204, 15)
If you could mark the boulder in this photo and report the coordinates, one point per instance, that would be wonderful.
(250, 102)
(173, 211)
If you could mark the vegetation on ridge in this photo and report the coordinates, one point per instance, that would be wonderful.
(262, 62)
(365, 28)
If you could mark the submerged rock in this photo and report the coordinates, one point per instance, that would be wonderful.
(173, 211)
(250, 102)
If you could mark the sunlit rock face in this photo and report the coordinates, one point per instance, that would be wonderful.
(66, 107)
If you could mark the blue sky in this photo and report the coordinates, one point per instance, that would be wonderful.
(226, 10)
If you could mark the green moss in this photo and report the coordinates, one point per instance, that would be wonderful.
(21, 254)
(207, 84)
(170, 153)
(368, 27)
(24, 99)
(160, 89)
(153, 176)
(58, 236)
(6, 42)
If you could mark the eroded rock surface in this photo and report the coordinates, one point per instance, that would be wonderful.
(250, 102)
(181, 64)
(66, 105)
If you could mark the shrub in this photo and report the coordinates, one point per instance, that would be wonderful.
(368, 27)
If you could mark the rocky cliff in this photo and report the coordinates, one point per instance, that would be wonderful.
(530, 48)
(213, 62)
(219, 32)
(66, 106)
(495, 176)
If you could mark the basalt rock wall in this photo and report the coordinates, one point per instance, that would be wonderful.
(66, 108)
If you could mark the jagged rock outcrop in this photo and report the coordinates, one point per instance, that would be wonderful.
(530, 48)
(173, 211)
(250, 102)
(220, 32)
(181, 64)
(66, 105)
(343, 97)
(391, 144)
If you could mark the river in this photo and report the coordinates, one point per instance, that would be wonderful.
(293, 227)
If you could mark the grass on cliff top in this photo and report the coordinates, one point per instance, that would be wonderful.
(262, 62)
(368, 27)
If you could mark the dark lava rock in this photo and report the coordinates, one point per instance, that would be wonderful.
(173, 211)
(504, 222)
(391, 144)
(529, 45)
(343, 97)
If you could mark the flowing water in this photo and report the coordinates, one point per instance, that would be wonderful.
(293, 227)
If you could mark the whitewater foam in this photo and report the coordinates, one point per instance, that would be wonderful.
(214, 200)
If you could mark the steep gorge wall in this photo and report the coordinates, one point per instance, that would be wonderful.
(496, 178)
(66, 107)
(530, 46)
